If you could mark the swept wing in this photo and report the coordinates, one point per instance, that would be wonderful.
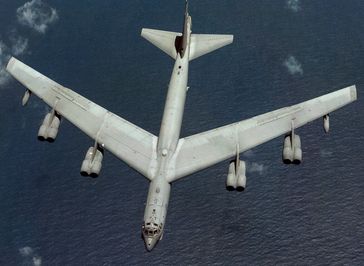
(125, 140)
(202, 150)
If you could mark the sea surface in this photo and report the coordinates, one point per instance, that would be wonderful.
(284, 52)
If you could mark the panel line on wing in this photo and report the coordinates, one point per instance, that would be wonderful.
(281, 114)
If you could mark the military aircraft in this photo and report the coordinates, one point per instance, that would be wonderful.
(167, 158)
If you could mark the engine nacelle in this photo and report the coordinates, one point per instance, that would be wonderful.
(297, 151)
(231, 177)
(49, 128)
(326, 123)
(241, 177)
(292, 152)
(236, 178)
(287, 150)
(92, 164)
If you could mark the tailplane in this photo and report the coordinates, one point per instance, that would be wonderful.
(164, 40)
(173, 43)
(202, 44)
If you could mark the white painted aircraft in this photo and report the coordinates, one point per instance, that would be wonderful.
(167, 158)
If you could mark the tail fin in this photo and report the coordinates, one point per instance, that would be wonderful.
(164, 40)
(202, 44)
(186, 8)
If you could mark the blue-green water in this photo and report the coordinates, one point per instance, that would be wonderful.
(307, 214)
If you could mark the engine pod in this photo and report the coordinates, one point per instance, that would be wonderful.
(92, 164)
(241, 176)
(287, 154)
(231, 177)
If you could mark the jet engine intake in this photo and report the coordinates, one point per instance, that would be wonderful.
(91, 165)
(49, 128)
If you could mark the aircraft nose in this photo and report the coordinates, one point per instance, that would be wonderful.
(149, 243)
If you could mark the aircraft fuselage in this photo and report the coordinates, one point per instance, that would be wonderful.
(159, 189)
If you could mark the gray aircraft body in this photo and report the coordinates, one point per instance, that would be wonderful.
(168, 157)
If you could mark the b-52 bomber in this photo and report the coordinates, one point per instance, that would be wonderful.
(167, 158)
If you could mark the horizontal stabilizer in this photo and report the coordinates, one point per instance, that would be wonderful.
(164, 40)
(202, 44)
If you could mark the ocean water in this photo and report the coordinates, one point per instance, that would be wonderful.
(282, 54)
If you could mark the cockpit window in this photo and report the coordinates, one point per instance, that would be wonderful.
(151, 228)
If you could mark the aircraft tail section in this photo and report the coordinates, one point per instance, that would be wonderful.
(164, 40)
(202, 44)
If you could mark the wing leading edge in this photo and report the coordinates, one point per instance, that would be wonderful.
(202, 150)
(128, 142)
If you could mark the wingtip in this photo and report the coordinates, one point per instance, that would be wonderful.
(10, 64)
(353, 93)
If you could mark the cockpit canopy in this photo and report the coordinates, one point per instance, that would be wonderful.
(151, 229)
